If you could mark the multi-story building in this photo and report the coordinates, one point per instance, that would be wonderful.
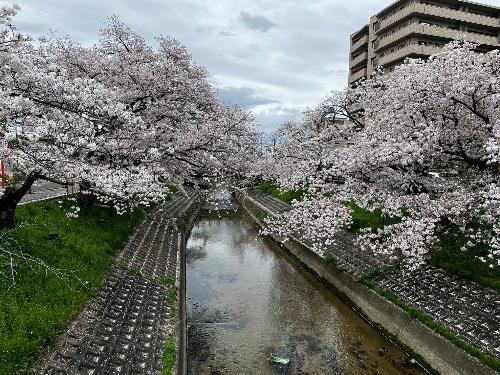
(420, 28)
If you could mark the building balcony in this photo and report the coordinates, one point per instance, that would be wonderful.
(441, 12)
(362, 42)
(359, 60)
(362, 73)
(410, 50)
(436, 31)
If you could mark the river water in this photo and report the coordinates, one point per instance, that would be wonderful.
(248, 302)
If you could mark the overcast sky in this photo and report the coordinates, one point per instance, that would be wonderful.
(273, 57)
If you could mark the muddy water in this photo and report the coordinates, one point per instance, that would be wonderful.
(249, 301)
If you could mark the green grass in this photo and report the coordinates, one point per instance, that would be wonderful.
(449, 256)
(170, 193)
(169, 351)
(331, 260)
(432, 324)
(261, 215)
(169, 356)
(362, 218)
(36, 309)
(375, 275)
(172, 298)
(285, 196)
(168, 281)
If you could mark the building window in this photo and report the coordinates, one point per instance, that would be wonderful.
(376, 26)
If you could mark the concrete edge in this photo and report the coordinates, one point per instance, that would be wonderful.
(436, 353)
(186, 224)
(181, 328)
(44, 199)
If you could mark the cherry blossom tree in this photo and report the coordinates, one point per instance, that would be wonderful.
(71, 127)
(300, 148)
(191, 136)
(121, 119)
(426, 154)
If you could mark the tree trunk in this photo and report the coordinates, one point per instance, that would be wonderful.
(87, 200)
(8, 205)
(112, 211)
(11, 198)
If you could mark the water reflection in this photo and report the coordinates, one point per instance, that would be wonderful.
(247, 301)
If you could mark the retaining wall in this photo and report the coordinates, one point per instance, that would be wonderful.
(185, 224)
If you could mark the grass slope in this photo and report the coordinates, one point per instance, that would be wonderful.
(36, 309)
(464, 263)
(362, 218)
(285, 196)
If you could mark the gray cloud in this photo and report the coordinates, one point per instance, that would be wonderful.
(275, 74)
(245, 97)
(227, 33)
(269, 121)
(256, 22)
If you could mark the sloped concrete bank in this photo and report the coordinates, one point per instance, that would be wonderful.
(140, 306)
(436, 353)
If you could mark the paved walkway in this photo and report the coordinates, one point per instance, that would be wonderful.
(467, 308)
(124, 329)
(43, 190)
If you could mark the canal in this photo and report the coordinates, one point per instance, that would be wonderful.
(250, 305)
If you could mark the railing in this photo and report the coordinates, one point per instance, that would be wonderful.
(437, 31)
(438, 11)
(359, 43)
(358, 75)
(412, 49)
(359, 59)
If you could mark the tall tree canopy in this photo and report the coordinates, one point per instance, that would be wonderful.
(426, 153)
(120, 118)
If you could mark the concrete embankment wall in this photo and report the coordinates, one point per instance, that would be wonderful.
(185, 224)
(435, 352)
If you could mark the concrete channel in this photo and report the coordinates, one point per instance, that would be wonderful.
(252, 304)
